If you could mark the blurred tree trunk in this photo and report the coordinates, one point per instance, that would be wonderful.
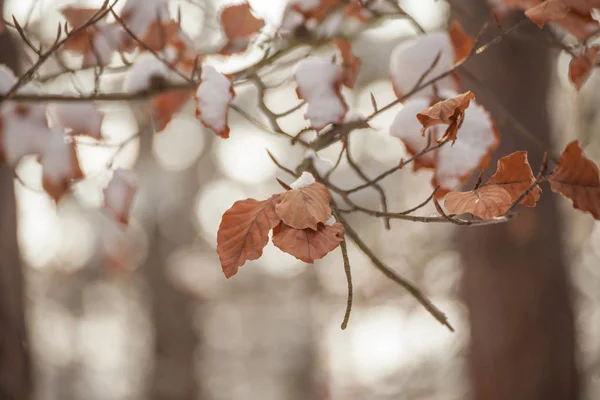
(15, 372)
(516, 283)
(171, 310)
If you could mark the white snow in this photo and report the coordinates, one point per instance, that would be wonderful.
(213, 97)
(57, 158)
(319, 83)
(411, 58)
(331, 221)
(475, 139)
(145, 67)
(321, 165)
(24, 130)
(305, 179)
(80, 117)
(139, 14)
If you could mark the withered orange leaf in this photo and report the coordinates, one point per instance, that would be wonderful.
(450, 111)
(244, 232)
(159, 34)
(461, 41)
(485, 202)
(580, 67)
(239, 25)
(306, 244)
(306, 207)
(547, 11)
(576, 177)
(165, 106)
(79, 42)
(515, 175)
(350, 63)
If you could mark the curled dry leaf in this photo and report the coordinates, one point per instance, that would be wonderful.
(244, 232)
(306, 244)
(514, 174)
(452, 164)
(573, 15)
(119, 194)
(450, 111)
(239, 26)
(350, 63)
(60, 165)
(576, 177)
(305, 207)
(485, 202)
(319, 83)
(213, 96)
(580, 67)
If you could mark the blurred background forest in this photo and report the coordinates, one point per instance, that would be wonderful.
(148, 314)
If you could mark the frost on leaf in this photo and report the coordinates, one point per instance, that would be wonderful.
(97, 42)
(306, 244)
(81, 118)
(140, 14)
(411, 58)
(213, 96)
(576, 177)
(119, 194)
(305, 207)
(350, 63)
(319, 83)
(244, 232)
(60, 164)
(514, 174)
(485, 202)
(450, 112)
(580, 67)
(23, 130)
(239, 26)
(452, 164)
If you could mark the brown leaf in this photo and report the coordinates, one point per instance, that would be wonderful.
(576, 177)
(58, 175)
(514, 174)
(244, 232)
(461, 41)
(239, 26)
(449, 111)
(120, 193)
(160, 33)
(165, 106)
(547, 11)
(306, 244)
(485, 202)
(350, 63)
(79, 42)
(306, 207)
(580, 67)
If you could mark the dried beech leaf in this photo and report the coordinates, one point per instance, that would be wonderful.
(450, 111)
(547, 11)
(350, 63)
(461, 41)
(165, 106)
(306, 244)
(239, 26)
(485, 202)
(120, 193)
(60, 165)
(576, 177)
(305, 207)
(244, 232)
(515, 175)
(580, 67)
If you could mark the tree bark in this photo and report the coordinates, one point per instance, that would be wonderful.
(15, 371)
(516, 284)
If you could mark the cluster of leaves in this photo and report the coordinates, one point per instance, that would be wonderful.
(443, 130)
(300, 219)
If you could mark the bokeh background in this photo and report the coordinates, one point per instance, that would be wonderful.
(147, 313)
